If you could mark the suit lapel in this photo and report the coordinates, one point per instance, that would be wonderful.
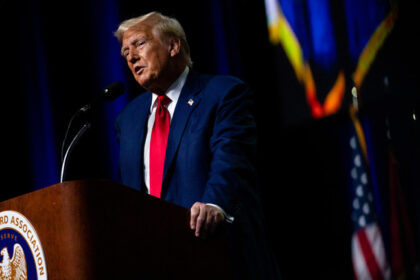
(187, 102)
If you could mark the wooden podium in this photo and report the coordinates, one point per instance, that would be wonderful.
(103, 230)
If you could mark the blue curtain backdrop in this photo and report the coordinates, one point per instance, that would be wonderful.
(58, 56)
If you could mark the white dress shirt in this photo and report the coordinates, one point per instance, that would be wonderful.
(173, 93)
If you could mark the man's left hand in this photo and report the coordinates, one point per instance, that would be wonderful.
(204, 219)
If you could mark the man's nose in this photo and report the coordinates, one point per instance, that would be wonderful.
(133, 57)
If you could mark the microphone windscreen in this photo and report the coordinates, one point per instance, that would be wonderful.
(113, 91)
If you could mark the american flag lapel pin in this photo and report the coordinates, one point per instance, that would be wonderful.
(190, 102)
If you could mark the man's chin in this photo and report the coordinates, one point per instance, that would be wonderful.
(144, 83)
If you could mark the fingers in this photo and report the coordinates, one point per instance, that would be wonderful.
(201, 226)
(195, 211)
(198, 217)
(204, 219)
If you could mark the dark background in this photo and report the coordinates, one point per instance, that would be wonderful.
(57, 56)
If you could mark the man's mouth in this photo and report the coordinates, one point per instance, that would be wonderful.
(138, 69)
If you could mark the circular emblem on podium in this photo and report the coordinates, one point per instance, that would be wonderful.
(21, 252)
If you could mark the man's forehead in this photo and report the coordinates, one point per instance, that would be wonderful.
(142, 28)
(134, 32)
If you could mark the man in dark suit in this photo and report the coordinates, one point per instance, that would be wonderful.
(191, 140)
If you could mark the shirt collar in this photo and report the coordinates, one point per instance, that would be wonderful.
(174, 91)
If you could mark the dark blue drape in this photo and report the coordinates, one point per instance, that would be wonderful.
(35, 82)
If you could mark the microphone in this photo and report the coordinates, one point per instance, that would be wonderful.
(112, 91)
(109, 93)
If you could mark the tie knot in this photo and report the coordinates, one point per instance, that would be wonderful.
(163, 100)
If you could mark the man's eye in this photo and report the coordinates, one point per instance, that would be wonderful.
(140, 43)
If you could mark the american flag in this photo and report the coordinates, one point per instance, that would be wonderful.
(367, 246)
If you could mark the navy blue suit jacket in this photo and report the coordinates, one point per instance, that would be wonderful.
(210, 158)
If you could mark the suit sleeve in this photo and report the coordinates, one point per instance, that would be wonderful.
(233, 144)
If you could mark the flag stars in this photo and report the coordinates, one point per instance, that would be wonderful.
(354, 173)
(363, 178)
(359, 191)
(362, 221)
(366, 208)
(357, 161)
(363, 210)
(353, 142)
(356, 203)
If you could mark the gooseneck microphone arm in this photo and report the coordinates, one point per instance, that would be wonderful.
(110, 93)
(76, 138)
(84, 110)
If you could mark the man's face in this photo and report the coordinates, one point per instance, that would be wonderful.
(147, 57)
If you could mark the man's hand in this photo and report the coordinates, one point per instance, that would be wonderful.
(204, 219)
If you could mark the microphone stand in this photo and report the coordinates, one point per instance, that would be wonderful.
(109, 93)
(76, 138)
(84, 111)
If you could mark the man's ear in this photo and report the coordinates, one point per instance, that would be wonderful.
(174, 46)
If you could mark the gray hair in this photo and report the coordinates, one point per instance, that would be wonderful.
(161, 26)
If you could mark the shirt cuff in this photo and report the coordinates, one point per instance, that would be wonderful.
(229, 219)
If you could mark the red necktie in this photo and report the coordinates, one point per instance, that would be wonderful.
(158, 142)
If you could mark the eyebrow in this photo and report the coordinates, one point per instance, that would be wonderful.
(123, 49)
(133, 42)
